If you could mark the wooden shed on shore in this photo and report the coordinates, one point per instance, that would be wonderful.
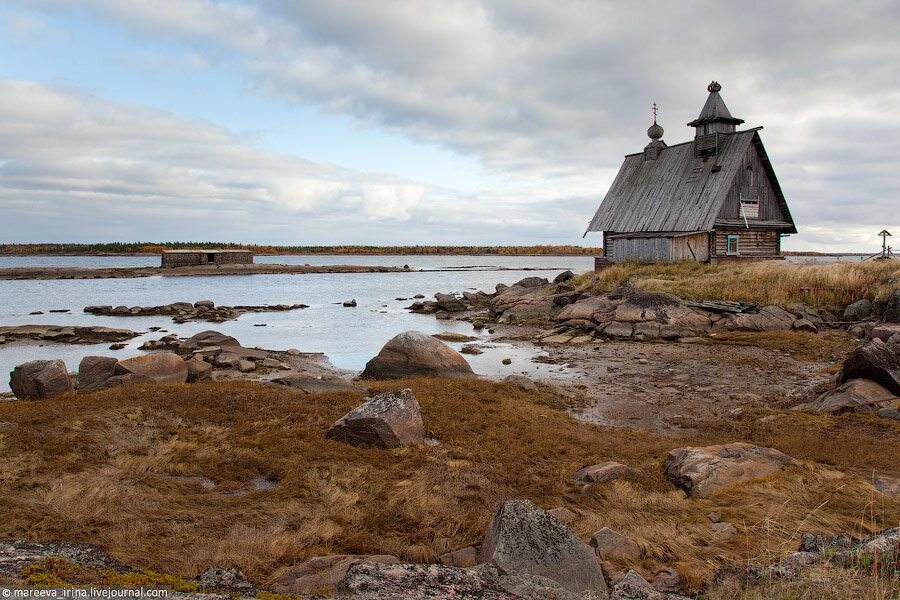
(195, 258)
(711, 199)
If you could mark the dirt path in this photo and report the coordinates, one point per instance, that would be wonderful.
(665, 386)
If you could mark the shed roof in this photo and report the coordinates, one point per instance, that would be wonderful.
(678, 192)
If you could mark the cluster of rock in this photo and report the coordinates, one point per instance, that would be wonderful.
(526, 553)
(180, 361)
(181, 312)
(624, 313)
(40, 379)
(65, 334)
(868, 380)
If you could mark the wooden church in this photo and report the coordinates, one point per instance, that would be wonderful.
(711, 199)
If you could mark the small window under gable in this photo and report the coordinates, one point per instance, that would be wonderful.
(749, 209)
(733, 244)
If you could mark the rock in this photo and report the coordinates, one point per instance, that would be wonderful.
(40, 379)
(558, 339)
(769, 318)
(388, 420)
(715, 516)
(414, 354)
(208, 338)
(470, 349)
(438, 582)
(805, 325)
(891, 412)
(465, 557)
(318, 385)
(887, 486)
(858, 311)
(116, 346)
(350, 303)
(531, 282)
(892, 308)
(667, 580)
(16, 556)
(522, 382)
(93, 373)
(198, 370)
(506, 361)
(449, 302)
(856, 394)
(325, 572)
(563, 514)
(702, 471)
(563, 277)
(449, 336)
(586, 309)
(723, 532)
(270, 363)
(604, 472)
(164, 367)
(245, 366)
(876, 361)
(525, 538)
(617, 330)
(8, 427)
(885, 331)
(635, 587)
(226, 580)
(611, 545)
(204, 304)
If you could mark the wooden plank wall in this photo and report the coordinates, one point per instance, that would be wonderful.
(761, 188)
(649, 249)
(691, 247)
(753, 242)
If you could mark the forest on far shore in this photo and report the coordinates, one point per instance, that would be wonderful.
(156, 248)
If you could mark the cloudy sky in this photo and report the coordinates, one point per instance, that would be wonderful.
(425, 121)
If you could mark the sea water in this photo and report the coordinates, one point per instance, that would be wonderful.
(348, 336)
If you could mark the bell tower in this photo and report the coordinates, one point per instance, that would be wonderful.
(714, 121)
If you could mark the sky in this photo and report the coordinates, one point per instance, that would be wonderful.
(389, 122)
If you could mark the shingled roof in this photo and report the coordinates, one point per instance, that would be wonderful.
(679, 193)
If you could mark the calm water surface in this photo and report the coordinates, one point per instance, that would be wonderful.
(348, 336)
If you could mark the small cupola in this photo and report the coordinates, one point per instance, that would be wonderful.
(656, 145)
(714, 121)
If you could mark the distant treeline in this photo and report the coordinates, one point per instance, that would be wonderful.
(155, 248)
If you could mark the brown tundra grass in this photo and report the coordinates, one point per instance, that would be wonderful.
(104, 469)
(830, 286)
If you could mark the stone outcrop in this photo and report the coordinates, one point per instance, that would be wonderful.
(702, 471)
(414, 354)
(892, 308)
(94, 372)
(40, 379)
(230, 581)
(182, 312)
(604, 472)
(16, 556)
(62, 334)
(856, 394)
(388, 420)
(323, 573)
(317, 385)
(164, 367)
(876, 361)
(524, 538)
(769, 318)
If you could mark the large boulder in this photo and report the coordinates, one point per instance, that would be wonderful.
(450, 303)
(524, 538)
(414, 354)
(164, 367)
(856, 394)
(892, 308)
(208, 338)
(39, 379)
(702, 471)
(885, 331)
(769, 318)
(94, 372)
(858, 311)
(323, 573)
(389, 420)
(876, 361)
(586, 309)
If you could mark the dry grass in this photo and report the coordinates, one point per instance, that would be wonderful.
(100, 469)
(831, 286)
